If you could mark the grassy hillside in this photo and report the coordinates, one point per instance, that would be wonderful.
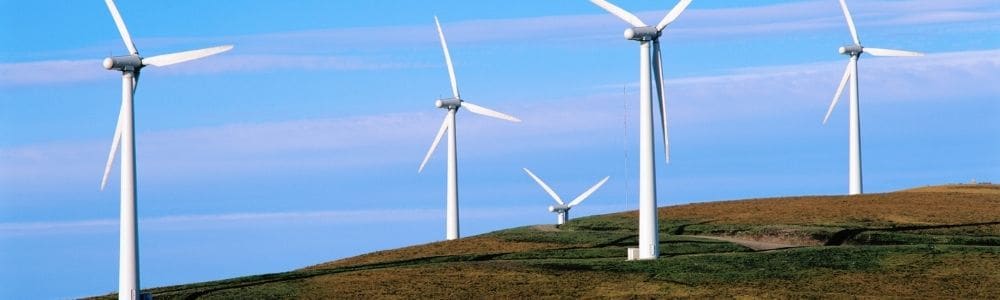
(941, 241)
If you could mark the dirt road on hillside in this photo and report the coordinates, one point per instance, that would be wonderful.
(755, 245)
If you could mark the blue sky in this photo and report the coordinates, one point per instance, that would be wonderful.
(301, 145)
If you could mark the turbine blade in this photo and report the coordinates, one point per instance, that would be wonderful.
(891, 52)
(620, 13)
(850, 22)
(586, 194)
(121, 27)
(135, 82)
(179, 57)
(840, 90)
(545, 187)
(673, 14)
(658, 79)
(489, 112)
(115, 143)
(447, 59)
(437, 139)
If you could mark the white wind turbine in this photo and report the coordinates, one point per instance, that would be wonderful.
(854, 51)
(562, 209)
(645, 34)
(452, 105)
(130, 65)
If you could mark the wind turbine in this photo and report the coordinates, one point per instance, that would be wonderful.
(562, 209)
(452, 105)
(854, 51)
(645, 34)
(130, 65)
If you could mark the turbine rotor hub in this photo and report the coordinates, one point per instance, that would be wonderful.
(123, 63)
(643, 34)
(851, 50)
(449, 103)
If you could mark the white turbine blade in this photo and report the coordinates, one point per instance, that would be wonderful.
(673, 14)
(179, 57)
(890, 52)
(121, 27)
(658, 71)
(840, 90)
(447, 59)
(545, 187)
(850, 22)
(115, 142)
(437, 139)
(620, 13)
(135, 82)
(489, 112)
(586, 194)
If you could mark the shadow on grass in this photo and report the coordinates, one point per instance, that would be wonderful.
(680, 229)
(845, 235)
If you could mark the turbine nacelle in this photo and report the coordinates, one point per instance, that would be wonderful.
(647, 33)
(558, 208)
(123, 63)
(851, 50)
(449, 103)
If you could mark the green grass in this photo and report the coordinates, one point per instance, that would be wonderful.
(792, 267)
(896, 238)
(567, 235)
(740, 267)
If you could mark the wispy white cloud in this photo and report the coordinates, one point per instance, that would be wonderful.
(772, 20)
(784, 18)
(398, 140)
(27, 228)
(68, 71)
(51, 72)
(257, 62)
(310, 49)
(768, 91)
(314, 144)
(252, 220)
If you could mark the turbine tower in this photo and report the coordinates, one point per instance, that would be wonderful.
(562, 209)
(646, 35)
(130, 65)
(854, 52)
(452, 105)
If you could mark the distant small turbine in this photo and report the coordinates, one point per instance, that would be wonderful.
(854, 51)
(562, 209)
(129, 65)
(452, 105)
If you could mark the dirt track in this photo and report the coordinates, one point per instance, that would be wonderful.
(755, 245)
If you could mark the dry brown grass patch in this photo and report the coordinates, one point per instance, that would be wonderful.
(941, 276)
(499, 280)
(900, 208)
(959, 188)
(470, 245)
